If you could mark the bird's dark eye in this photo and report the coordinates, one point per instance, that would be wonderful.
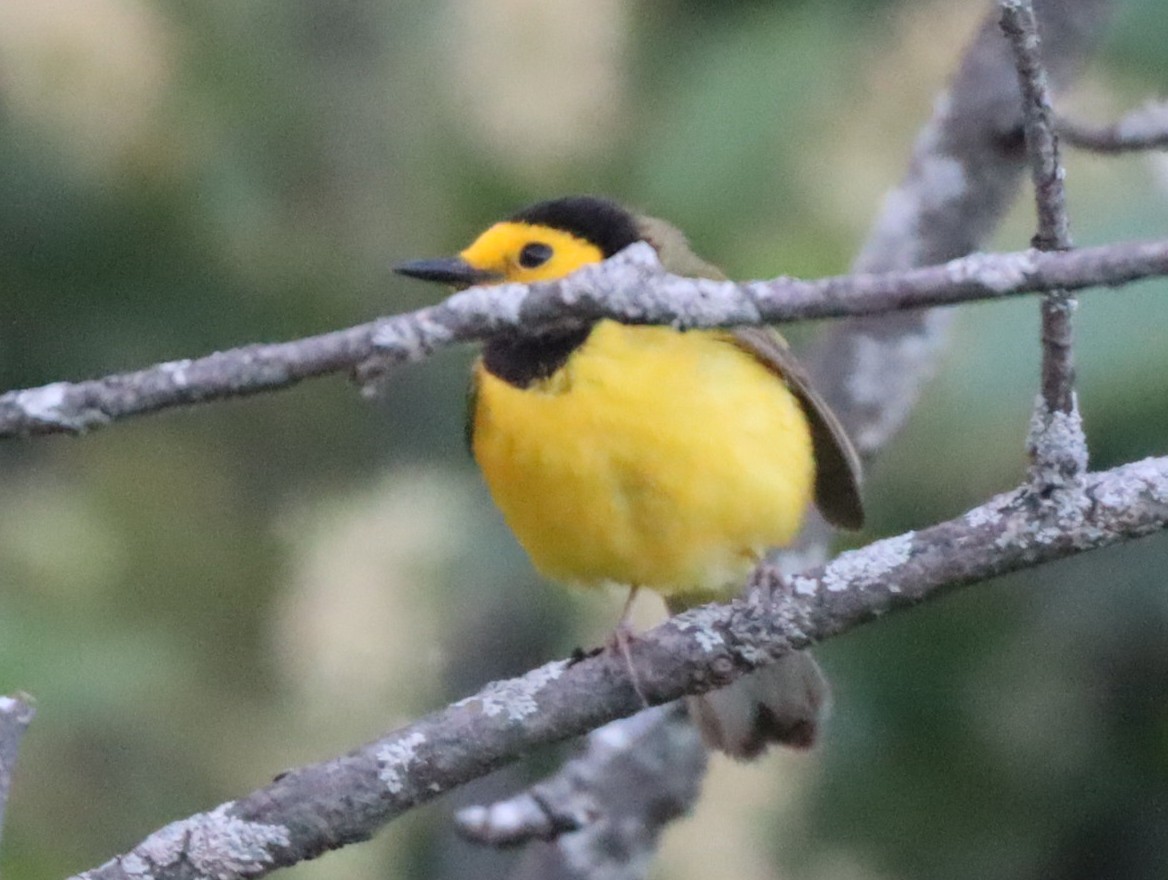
(535, 254)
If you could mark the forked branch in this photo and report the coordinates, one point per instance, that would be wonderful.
(310, 810)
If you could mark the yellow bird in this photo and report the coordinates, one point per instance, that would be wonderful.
(650, 457)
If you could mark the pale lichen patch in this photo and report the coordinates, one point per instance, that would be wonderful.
(1017, 533)
(409, 338)
(1148, 477)
(1000, 273)
(43, 404)
(986, 515)
(701, 623)
(718, 303)
(177, 370)
(395, 758)
(1058, 450)
(216, 846)
(1057, 444)
(502, 302)
(516, 697)
(1049, 525)
(136, 866)
(619, 279)
(804, 586)
(871, 565)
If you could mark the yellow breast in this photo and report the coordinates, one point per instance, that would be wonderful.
(651, 458)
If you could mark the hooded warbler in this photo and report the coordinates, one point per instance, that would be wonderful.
(650, 457)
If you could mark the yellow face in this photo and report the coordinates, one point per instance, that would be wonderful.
(522, 252)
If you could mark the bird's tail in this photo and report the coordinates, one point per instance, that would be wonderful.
(784, 702)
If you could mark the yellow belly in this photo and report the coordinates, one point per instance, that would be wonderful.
(652, 458)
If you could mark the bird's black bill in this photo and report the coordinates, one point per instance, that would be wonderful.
(447, 270)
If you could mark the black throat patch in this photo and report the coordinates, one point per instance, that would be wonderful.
(524, 360)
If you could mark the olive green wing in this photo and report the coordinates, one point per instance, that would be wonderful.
(837, 465)
(674, 251)
(472, 407)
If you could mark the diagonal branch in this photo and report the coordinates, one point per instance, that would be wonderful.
(630, 287)
(313, 809)
(962, 178)
(16, 713)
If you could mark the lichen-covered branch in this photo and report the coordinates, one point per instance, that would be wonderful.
(610, 804)
(962, 178)
(1042, 148)
(630, 287)
(1145, 128)
(16, 713)
(1057, 443)
(310, 810)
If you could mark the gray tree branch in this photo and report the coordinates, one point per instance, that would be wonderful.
(1145, 128)
(962, 178)
(630, 287)
(16, 713)
(313, 809)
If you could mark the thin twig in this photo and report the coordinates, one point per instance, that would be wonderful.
(310, 810)
(630, 287)
(16, 713)
(1046, 169)
(1145, 128)
(1057, 444)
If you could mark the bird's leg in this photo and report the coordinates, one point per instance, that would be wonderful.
(627, 610)
(622, 636)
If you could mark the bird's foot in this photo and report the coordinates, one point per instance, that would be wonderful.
(619, 642)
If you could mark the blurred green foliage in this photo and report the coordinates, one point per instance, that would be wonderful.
(203, 598)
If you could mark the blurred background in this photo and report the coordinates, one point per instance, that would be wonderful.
(201, 599)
